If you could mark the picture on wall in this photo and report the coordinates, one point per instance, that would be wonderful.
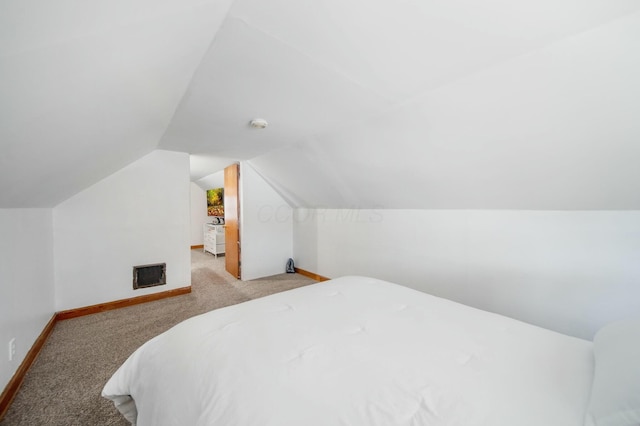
(215, 202)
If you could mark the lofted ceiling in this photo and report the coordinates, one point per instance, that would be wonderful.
(498, 104)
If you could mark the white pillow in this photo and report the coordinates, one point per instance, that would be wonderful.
(615, 393)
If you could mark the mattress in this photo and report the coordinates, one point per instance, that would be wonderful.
(355, 351)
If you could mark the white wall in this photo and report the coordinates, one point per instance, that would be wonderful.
(198, 214)
(266, 229)
(571, 271)
(137, 216)
(305, 239)
(26, 282)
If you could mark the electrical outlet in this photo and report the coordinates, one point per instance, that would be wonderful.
(12, 349)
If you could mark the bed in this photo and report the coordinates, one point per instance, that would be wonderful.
(360, 351)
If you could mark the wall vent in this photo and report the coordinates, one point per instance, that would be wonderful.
(149, 275)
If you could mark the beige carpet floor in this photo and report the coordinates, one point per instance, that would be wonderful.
(63, 386)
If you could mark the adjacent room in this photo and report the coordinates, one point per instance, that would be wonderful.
(456, 183)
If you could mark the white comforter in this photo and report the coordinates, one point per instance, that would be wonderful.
(355, 351)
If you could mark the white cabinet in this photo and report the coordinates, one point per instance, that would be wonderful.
(214, 239)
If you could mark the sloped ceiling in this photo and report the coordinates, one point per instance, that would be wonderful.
(379, 104)
(87, 87)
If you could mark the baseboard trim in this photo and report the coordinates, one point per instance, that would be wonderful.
(311, 275)
(11, 390)
(201, 246)
(122, 303)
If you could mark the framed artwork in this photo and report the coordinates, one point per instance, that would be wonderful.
(215, 202)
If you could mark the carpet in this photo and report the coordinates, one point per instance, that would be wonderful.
(63, 386)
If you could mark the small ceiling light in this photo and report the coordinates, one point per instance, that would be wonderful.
(259, 123)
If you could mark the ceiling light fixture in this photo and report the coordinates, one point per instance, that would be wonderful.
(259, 123)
